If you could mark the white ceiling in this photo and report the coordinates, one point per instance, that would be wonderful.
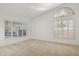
(28, 10)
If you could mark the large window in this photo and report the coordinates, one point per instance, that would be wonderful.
(65, 23)
(15, 29)
(65, 29)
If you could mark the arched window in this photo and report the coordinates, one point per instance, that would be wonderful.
(64, 24)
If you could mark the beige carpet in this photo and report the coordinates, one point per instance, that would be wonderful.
(38, 48)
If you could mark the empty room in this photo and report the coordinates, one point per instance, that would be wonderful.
(39, 29)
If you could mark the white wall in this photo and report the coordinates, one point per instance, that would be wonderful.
(43, 26)
(6, 41)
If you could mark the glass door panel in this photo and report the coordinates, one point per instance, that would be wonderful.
(64, 29)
